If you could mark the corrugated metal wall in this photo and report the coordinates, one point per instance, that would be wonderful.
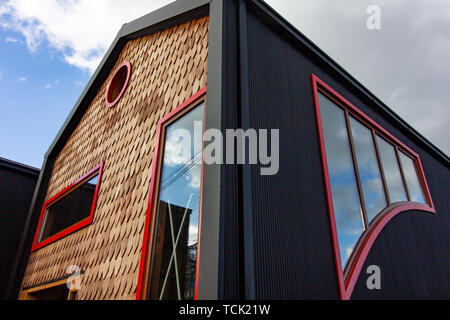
(293, 252)
(16, 190)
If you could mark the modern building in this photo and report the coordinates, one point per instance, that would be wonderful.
(130, 208)
(17, 184)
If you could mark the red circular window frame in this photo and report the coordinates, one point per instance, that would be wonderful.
(114, 81)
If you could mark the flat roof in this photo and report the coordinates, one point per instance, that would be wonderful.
(19, 167)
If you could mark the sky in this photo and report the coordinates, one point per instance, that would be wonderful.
(50, 48)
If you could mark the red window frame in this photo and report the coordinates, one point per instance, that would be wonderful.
(114, 80)
(98, 169)
(347, 281)
(142, 284)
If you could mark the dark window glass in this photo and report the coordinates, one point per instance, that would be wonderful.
(175, 251)
(69, 210)
(346, 202)
(369, 172)
(391, 170)
(412, 180)
(55, 293)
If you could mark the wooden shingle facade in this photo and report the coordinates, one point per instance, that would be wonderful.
(168, 67)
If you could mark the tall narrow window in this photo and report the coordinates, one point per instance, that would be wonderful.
(369, 171)
(173, 268)
(392, 171)
(346, 202)
(412, 180)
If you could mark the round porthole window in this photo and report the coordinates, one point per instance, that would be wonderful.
(118, 84)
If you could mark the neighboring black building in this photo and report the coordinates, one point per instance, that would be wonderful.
(357, 186)
(17, 184)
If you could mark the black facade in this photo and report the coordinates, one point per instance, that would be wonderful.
(17, 184)
(276, 241)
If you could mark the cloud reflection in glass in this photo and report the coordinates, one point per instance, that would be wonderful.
(346, 202)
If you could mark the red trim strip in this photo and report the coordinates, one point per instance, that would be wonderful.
(347, 284)
(83, 223)
(152, 194)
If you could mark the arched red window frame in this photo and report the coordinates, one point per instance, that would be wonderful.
(98, 169)
(348, 280)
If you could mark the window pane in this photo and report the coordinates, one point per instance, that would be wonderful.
(369, 171)
(412, 180)
(173, 275)
(69, 210)
(392, 173)
(346, 203)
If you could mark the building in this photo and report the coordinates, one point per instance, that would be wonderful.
(356, 186)
(17, 184)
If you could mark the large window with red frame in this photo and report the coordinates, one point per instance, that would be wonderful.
(71, 209)
(174, 259)
(368, 173)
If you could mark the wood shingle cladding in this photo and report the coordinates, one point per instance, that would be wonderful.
(167, 68)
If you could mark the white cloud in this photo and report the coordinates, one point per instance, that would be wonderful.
(81, 30)
(51, 85)
(193, 234)
(11, 40)
(349, 252)
(22, 79)
(403, 63)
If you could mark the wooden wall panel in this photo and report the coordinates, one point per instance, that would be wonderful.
(167, 68)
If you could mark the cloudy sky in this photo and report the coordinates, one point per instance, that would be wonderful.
(49, 48)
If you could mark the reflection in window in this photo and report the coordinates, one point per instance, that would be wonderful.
(412, 180)
(69, 210)
(391, 170)
(346, 202)
(174, 258)
(369, 172)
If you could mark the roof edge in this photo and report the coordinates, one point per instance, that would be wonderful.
(6, 163)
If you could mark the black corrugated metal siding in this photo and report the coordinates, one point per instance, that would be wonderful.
(293, 252)
(17, 185)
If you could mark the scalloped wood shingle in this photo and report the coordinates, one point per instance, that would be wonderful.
(167, 68)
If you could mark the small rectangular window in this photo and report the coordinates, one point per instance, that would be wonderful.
(344, 190)
(412, 180)
(369, 171)
(70, 210)
(392, 171)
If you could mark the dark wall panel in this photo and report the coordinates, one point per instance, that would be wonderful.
(230, 262)
(16, 191)
(293, 251)
(292, 236)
